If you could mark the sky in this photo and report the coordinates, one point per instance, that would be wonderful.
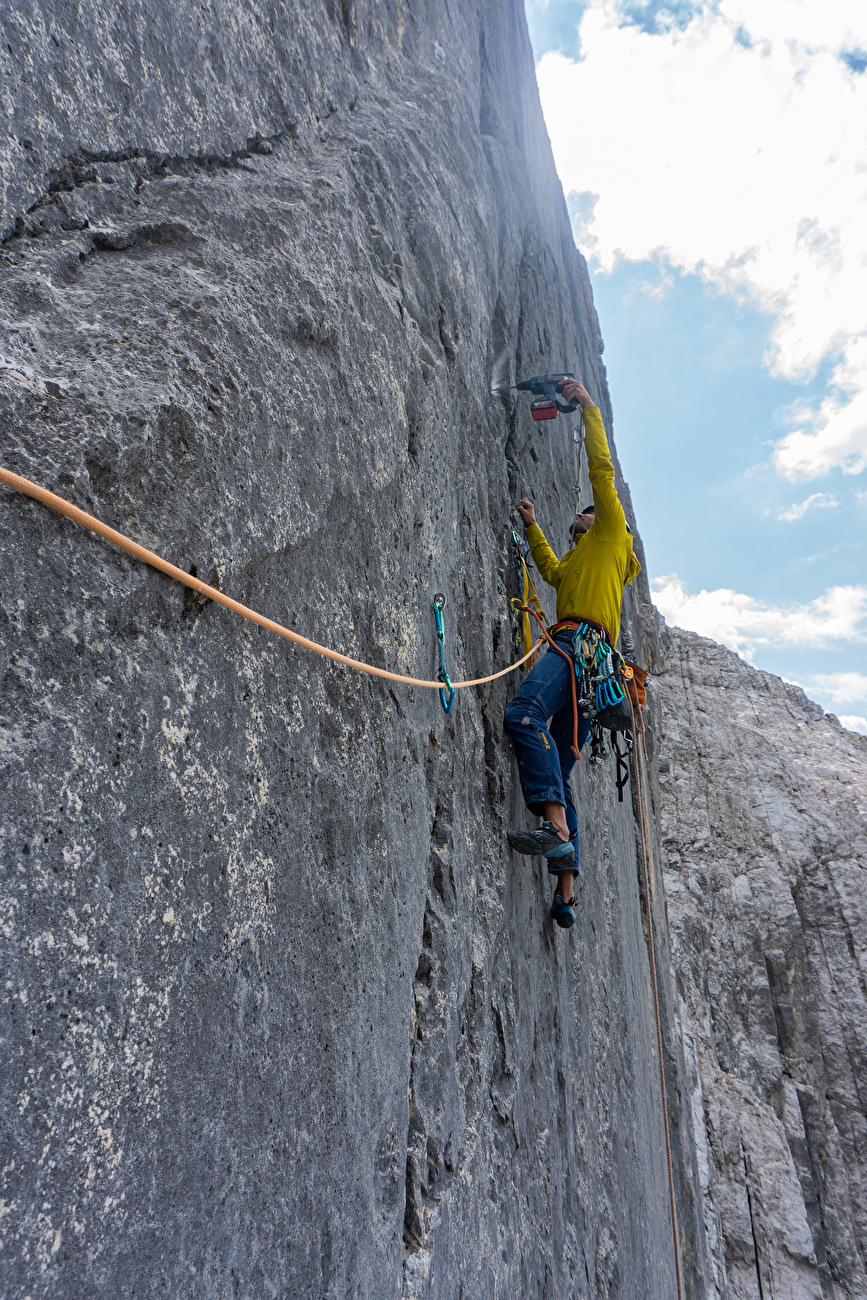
(714, 159)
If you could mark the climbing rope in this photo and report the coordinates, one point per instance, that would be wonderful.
(528, 596)
(640, 786)
(149, 557)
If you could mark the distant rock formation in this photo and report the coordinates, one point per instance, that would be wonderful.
(283, 1015)
(763, 820)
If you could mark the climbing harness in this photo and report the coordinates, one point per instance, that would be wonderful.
(600, 681)
(648, 875)
(157, 562)
(523, 632)
(439, 601)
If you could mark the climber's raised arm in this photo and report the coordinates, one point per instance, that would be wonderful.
(609, 516)
(543, 557)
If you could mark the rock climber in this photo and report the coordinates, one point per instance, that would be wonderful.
(589, 582)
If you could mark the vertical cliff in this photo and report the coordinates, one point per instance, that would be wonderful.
(284, 1015)
(763, 805)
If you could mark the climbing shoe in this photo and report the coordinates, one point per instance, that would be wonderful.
(563, 913)
(546, 841)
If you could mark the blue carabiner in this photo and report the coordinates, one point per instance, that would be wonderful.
(439, 601)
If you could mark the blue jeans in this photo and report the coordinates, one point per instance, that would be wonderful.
(544, 754)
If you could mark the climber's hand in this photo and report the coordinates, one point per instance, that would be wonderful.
(574, 391)
(527, 511)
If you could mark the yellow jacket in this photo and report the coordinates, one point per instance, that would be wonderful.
(590, 578)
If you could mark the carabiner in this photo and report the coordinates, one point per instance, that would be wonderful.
(439, 601)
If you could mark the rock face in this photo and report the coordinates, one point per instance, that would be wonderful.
(763, 808)
(283, 1016)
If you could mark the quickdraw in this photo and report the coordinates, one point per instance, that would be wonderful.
(599, 668)
(528, 598)
(578, 436)
(439, 601)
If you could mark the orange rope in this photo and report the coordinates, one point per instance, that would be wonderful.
(650, 895)
(149, 557)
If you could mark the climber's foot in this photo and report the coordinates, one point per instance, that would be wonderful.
(565, 884)
(547, 841)
(563, 913)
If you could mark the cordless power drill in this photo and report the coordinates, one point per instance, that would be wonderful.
(546, 390)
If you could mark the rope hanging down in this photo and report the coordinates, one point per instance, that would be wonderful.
(149, 557)
(640, 786)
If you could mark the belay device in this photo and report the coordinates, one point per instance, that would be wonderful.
(547, 391)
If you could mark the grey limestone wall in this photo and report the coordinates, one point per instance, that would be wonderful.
(283, 1015)
(763, 821)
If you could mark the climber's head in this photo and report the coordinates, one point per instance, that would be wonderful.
(583, 521)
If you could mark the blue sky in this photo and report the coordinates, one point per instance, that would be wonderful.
(713, 157)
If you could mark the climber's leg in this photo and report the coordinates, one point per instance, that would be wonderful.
(555, 813)
(562, 735)
(545, 690)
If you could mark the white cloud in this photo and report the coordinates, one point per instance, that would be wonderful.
(852, 722)
(833, 690)
(817, 501)
(840, 688)
(742, 623)
(735, 146)
(834, 435)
